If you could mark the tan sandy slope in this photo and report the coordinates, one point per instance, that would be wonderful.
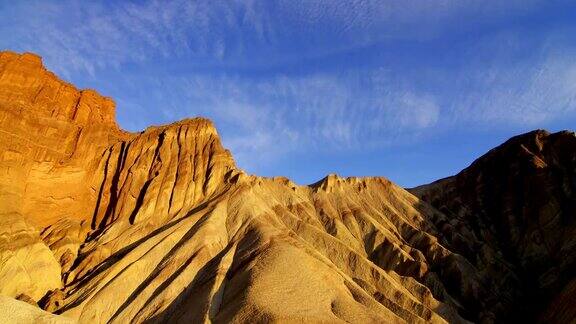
(15, 311)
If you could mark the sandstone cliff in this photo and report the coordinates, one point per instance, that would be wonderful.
(101, 225)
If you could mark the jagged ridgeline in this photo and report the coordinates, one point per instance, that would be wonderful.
(101, 225)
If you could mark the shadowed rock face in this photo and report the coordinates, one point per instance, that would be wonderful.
(99, 225)
(520, 200)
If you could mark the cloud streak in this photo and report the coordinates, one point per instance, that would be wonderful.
(270, 117)
(92, 36)
(287, 76)
(514, 87)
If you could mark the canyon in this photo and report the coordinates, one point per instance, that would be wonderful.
(101, 225)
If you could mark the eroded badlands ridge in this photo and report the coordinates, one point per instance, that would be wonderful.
(102, 225)
(520, 200)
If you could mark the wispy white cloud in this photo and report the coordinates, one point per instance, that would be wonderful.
(271, 117)
(513, 87)
(548, 91)
(78, 36)
(396, 19)
(270, 114)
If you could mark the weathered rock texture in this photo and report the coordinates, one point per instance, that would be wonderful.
(101, 225)
(14, 311)
(519, 202)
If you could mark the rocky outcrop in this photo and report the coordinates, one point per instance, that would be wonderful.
(51, 134)
(519, 201)
(102, 225)
(15, 311)
(68, 171)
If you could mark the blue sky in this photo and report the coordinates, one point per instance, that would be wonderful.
(410, 90)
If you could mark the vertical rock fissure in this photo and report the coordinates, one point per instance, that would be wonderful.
(139, 201)
(101, 191)
(176, 175)
(114, 193)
